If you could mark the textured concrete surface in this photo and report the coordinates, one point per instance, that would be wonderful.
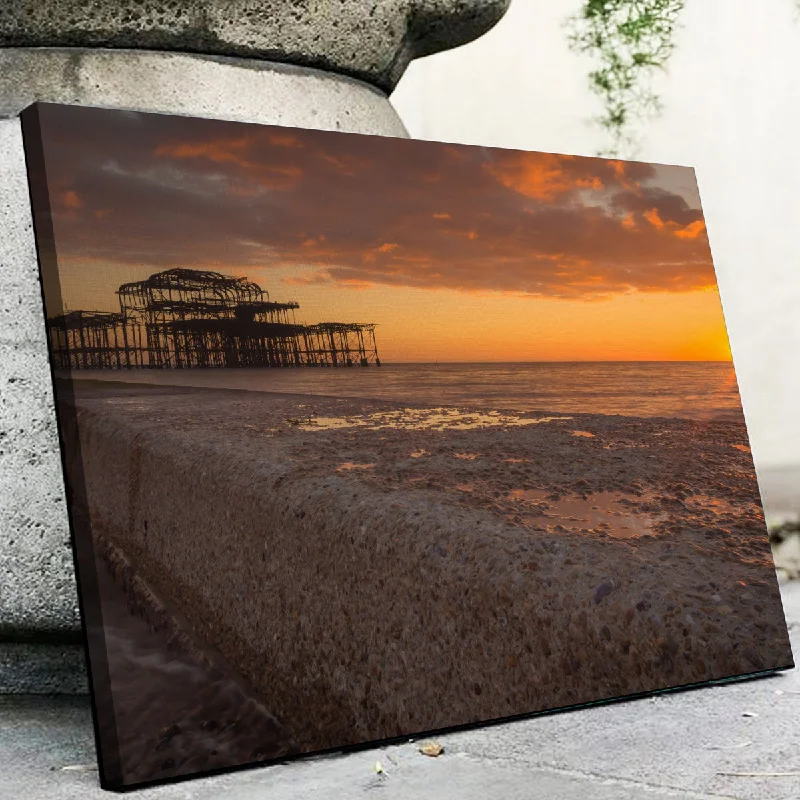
(737, 741)
(178, 83)
(37, 588)
(370, 40)
(363, 607)
(42, 668)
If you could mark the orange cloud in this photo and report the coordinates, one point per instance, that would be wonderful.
(387, 248)
(549, 176)
(356, 285)
(691, 231)
(624, 173)
(245, 171)
(70, 199)
(284, 140)
(308, 279)
(217, 150)
(653, 217)
(540, 177)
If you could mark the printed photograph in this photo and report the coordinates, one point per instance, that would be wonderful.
(368, 438)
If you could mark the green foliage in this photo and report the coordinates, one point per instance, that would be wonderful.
(630, 40)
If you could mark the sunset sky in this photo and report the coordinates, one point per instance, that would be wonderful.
(457, 253)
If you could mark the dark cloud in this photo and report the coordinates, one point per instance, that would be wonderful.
(167, 191)
(670, 207)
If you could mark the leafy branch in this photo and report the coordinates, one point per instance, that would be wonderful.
(631, 40)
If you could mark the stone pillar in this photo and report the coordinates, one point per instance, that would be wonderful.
(327, 64)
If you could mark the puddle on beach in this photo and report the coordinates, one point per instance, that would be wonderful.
(423, 419)
(585, 434)
(612, 513)
(604, 511)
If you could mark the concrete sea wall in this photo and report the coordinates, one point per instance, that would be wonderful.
(359, 613)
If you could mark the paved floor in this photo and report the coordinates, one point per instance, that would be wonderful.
(734, 741)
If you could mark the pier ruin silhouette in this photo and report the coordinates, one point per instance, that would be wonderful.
(186, 318)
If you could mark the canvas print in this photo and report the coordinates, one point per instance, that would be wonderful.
(368, 438)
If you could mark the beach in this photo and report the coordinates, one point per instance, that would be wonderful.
(370, 569)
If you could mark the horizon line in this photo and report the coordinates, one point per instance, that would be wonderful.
(384, 362)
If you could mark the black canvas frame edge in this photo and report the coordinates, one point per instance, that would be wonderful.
(470, 726)
(109, 762)
(83, 554)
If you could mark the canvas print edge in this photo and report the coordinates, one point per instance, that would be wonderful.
(84, 559)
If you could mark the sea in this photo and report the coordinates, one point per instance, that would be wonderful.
(694, 390)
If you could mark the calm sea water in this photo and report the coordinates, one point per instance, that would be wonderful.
(672, 389)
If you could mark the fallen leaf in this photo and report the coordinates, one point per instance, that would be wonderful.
(749, 714)
(79, 768)
(431, 749)
(378, 767)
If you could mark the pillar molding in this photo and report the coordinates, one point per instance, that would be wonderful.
(366, 39)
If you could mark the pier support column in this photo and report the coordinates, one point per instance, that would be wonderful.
(326, 65)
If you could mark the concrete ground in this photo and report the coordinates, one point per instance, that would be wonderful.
(733, 741)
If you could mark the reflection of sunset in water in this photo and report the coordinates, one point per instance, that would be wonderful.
(604, 513)
(419, 419)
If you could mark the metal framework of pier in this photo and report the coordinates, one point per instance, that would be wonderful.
(184, 318)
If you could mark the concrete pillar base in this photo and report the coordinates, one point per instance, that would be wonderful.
(247, 90)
